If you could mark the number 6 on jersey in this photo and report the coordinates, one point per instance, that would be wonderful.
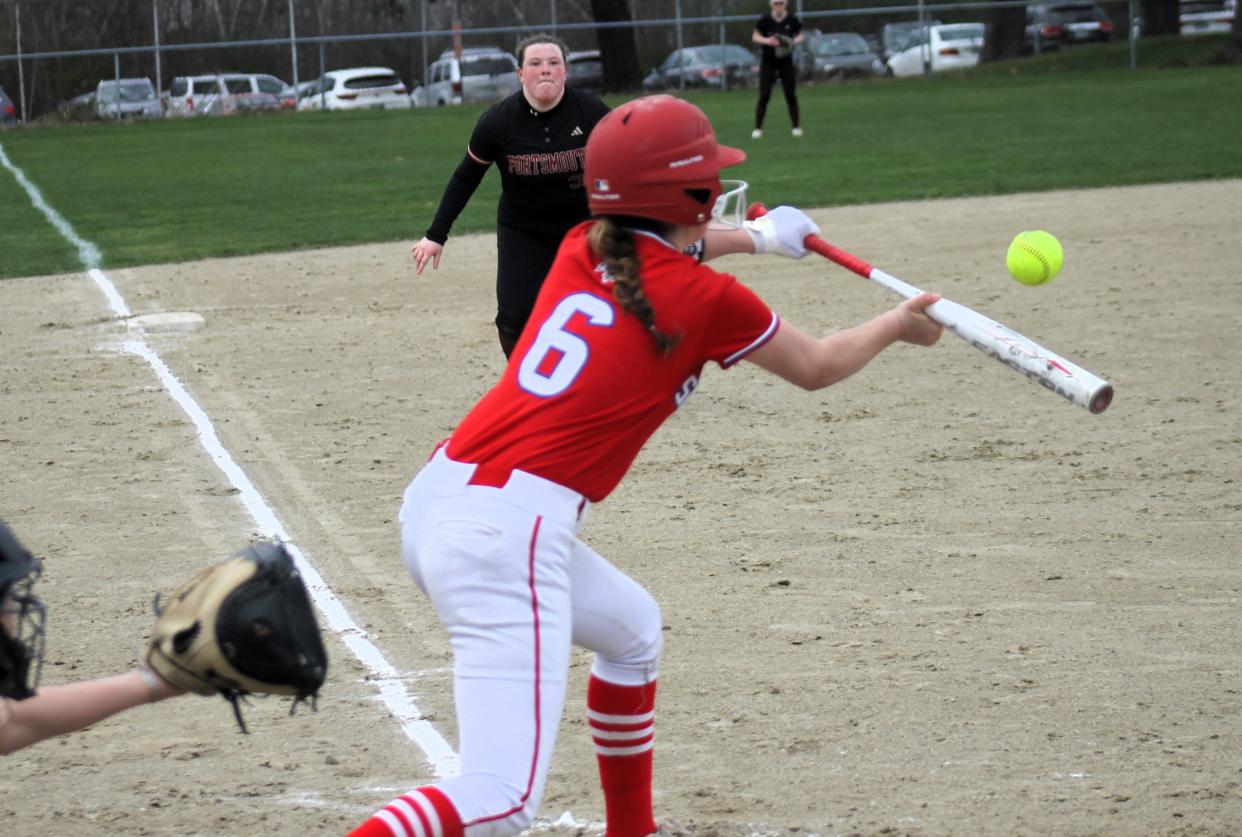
(553, 337)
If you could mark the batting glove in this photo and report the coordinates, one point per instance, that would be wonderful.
(782, 231)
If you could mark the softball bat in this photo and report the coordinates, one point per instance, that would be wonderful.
(1017, 351)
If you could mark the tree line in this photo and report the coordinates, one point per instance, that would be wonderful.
(67, 25)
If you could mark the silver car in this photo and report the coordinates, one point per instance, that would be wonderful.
(482, 74)
(723, 66)
(127, 98)
(838, 56)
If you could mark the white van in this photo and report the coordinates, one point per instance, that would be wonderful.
(483, 74)
(238, 83)
(1207, 17)
(217, 94)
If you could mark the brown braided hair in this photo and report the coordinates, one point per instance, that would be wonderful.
(615, 245)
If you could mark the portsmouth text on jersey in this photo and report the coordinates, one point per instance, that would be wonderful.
(556, 162)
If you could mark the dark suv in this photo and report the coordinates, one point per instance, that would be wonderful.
(1053, 25)
(586, 71)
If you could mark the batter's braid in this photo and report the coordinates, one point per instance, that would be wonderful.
(615, 245)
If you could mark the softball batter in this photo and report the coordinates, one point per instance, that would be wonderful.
(536, 137)
(618, 339)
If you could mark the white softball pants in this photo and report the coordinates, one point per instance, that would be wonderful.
(515, 588)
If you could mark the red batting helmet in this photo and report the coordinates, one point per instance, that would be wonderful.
(656, 157)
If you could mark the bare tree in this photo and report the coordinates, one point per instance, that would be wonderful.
(1006, 33)
(618, 51)
(1161, 17)
(516, 14)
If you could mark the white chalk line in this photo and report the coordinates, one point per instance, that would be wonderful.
(387, 681)
(88, 253)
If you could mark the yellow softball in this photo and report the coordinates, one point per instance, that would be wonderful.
(1034, 257)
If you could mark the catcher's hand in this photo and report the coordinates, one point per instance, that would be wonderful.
(241, 627)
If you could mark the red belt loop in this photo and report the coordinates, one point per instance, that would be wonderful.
(494, 476)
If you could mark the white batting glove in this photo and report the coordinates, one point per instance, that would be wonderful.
(781, 231)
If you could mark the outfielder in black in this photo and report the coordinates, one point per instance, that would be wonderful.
(777, 32)
(537, 138)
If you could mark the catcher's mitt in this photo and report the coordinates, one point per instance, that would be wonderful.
(241, 627)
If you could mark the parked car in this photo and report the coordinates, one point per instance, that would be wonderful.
(242, 94)
(712, 66)
(895, 37)
(586, 71)
(358, 88)
(1054, 25)
(221, 94)
(837, 56)
(1207, 17)
(303, 89)
(192, 95)
(949, 46)
(8, 110)
(482, 74)
(241, 83)
(127, 98)
(80, 108)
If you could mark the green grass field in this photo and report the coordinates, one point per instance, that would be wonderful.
(177, 190)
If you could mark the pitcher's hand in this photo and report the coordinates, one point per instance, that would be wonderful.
(425, 251)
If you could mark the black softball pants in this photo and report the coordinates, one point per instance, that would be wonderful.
(522, 261)
(767, 77)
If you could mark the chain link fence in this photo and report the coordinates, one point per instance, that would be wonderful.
(43, 81)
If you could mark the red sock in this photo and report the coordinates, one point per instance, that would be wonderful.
(422, 811)
(622, 720)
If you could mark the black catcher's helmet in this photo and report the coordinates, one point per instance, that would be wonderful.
(22, 616)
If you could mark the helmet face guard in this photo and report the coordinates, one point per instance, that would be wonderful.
(730, 210)
(23, 619)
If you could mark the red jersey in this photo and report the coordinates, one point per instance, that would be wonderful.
(586, 385)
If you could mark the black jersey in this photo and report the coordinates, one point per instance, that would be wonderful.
(788, 28)
(541, 159)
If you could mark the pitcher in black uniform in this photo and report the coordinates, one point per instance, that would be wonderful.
(777, 32)
(537, 138)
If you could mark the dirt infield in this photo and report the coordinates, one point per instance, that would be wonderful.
(932, 600)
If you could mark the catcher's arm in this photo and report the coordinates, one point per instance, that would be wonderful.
(57, 710)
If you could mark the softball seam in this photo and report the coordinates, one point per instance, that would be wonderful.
(1043, 260)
